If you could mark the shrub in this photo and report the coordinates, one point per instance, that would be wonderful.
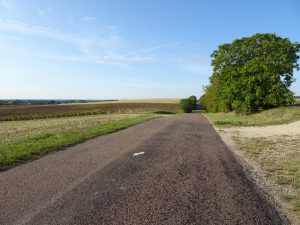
(186, 105)
(193, 100)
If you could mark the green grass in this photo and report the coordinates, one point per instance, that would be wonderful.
(279, 115)
(26, 143)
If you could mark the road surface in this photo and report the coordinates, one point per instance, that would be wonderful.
(171, 170)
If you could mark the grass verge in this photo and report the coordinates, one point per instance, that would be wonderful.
(279, 159)
(15, 152)
(279, 115)
(275, 153)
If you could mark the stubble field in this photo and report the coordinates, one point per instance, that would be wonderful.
(27, 131)
(28, 112)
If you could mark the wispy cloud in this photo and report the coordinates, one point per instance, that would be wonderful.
(153, 48)
(10, 37)
(24, 28)
(92, 48)
(108, 49)
(90, 58)
(113, 59)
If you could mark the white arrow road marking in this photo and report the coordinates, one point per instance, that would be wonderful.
(138, 153)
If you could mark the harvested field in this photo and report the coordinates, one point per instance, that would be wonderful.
(16, 131)
(22, 140)
(154, 100)
(27, 112)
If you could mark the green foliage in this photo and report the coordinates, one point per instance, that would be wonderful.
(193, 99)
(251, 74)
(186, 105)
(203, 102)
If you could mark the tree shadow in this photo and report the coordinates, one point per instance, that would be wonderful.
(164, 112)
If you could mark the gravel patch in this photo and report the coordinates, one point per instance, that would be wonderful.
(291, 129)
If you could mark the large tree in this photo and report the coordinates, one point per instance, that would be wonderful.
(252, 73)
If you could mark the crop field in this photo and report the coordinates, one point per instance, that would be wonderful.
(28, 112)
(17, 131)
(153, 100)
(27, 131)
(26, 139)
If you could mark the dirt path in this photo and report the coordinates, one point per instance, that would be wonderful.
(289, 129)
(184, 174)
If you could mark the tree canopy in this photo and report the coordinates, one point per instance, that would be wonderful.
(252, 73)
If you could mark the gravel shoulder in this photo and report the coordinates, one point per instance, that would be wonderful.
(289, 129)
(183, 174)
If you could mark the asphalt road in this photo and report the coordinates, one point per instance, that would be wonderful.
(184, 174)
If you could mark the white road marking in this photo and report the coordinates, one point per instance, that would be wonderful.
(138, 153)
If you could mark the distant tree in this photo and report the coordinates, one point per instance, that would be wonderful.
(186, 105)
(193, 100)
(252, 73)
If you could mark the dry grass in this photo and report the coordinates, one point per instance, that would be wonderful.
(279, 158)
(15, 131)
(22, 140)
(30, 130)
(275, 154)
(279, 115)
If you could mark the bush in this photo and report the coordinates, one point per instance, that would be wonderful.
(193, 100)
(186, 105)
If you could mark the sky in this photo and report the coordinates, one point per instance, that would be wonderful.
(126, 49)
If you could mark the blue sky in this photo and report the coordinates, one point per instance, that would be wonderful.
(129, 49)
